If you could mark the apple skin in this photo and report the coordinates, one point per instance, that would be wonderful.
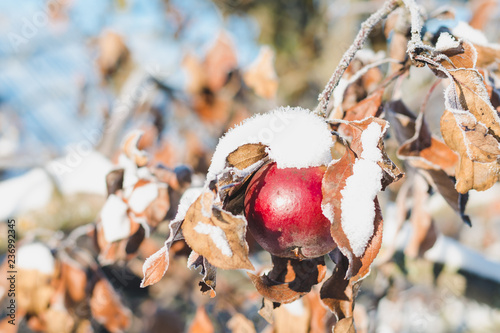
(283, 210)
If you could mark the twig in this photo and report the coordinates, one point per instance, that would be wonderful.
(359, 41)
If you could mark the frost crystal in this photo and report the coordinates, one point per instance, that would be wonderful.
(296, 138)
(358, 207)
(217, 235)
(36, 256)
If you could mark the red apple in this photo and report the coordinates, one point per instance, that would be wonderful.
(283, 210)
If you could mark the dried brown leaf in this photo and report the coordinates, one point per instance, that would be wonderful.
(219, 62)
(345, 325)
(424, 233)
(487, 55)
(425, 151)
(75, 279)
(107, 309)
(156, 265)
(201, 322)
(482, 13)
(275, 292)
(289, 279)
(240, 324)
(217, 235)
(209, 272)
(469, 174)
(114, 181)
(261, 76)
(246, 155)
(338, 293)
(368, 107)
(286, 321)
(465, 56)
(112, 52)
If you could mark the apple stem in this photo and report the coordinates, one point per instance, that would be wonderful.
(298, 253)
(366, 27)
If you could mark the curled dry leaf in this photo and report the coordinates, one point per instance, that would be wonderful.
(435, 160)
(233, 183)
(289, 279)
(107, 308)
(425, 151)
(463, 56)
(216, 234)
(338, 293)
(209, 272)
(261, 75)
(130, 143)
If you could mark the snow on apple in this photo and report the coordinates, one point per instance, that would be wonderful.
(295, 137)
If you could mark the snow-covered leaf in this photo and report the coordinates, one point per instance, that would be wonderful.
(353, 182)
(114, 219)
(217, 235)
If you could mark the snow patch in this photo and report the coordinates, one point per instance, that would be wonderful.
(446, 42)
(33, 190)
(36, 256)
(86, 176)
(358, 195)
(217, 235)
(142, 197)
(465, 31)
(115, 222)
(296, 308)
(327, 210)
(296, 138)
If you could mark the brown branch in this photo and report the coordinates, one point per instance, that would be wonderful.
(364, 32)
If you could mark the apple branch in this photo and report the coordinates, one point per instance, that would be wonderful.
(366, 28)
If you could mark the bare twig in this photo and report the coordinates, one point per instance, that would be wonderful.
(366, 28)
